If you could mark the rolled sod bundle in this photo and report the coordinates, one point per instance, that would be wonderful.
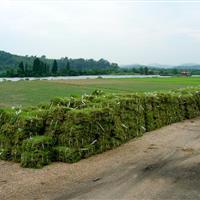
(16, 152)
(28, 124)
(26, 127)
(54, 120)
(36, 159)
(4, 117)
(175, 110)
(82, 127)
(162, 109)
(169, 109)
(6, 133)
(197, 99)
(151, 107)
(129, 109)
(5, 147)
(131, 114)
(5, 153)
(70, 102)
(191, 106)
(38, 143)
(37, 151)
(77, 102)
(67, 154)
(190, 99)
(97, 128)
(101, 129)
(69, 129)
(8, 116)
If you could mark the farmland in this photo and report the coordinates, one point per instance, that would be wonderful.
(28, 93)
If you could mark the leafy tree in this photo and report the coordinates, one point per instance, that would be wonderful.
(68, 66)
(10, 73)
(54, 67)
(36, 66)
(175, 71)
(26, 68)
(66, 70)
(141, 70)
(21, 67)
(146, 71)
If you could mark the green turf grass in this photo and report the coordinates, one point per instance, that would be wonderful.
(34, 92)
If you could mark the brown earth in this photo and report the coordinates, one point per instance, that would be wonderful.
(163, 164)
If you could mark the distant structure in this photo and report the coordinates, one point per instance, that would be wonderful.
(185, 73)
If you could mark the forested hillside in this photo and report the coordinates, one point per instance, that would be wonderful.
(14, 65)
(32, 66)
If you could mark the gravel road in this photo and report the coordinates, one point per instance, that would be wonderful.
(163, 164)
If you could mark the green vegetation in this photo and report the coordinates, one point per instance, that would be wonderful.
(32, 66)
(27, 66)
(37, 151)
(70, 129)
(28, 93)
(66, 154)
(149, 70)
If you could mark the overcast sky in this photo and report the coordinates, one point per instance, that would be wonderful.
(120, 31)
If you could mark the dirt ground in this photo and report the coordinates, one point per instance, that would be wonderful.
(163, 164)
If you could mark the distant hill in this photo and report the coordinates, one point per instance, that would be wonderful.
(11, 61)
(133, 66)
(150, 66)
(189, 66)
(159, 66)
(8, 60)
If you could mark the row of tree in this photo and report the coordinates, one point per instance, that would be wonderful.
(40, 68)
(158, 71)
(26, 66)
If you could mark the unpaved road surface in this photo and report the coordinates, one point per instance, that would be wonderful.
(163, 164)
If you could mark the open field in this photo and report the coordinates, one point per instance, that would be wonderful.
(34, 92)
(163, 164)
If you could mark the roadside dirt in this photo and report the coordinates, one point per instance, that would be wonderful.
(163, 164)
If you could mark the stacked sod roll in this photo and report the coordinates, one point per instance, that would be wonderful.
(37, 151)
(70, 129)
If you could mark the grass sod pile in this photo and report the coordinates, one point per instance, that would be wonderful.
(37, 151)
(161, 110)
(69, 129)
(5, 148)
(54, 119)
(27, 125)
(7, 130)
(91, 130)
(19, 126)
(66, 154)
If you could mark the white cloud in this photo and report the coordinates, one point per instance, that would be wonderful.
(125, 32)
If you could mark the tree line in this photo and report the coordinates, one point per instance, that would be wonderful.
(75, 67)
(63, 67)
(157, 71)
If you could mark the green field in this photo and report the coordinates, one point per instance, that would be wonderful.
(34, 92)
